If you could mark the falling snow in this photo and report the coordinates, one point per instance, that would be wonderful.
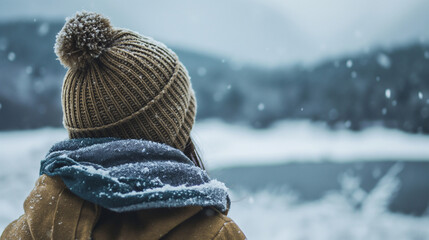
(29, 70)
(384, 61)
(11, 56)
(387, 93)
(349, 63)
(43, 29)
(261, 106)
(348, 124)
(201, 71)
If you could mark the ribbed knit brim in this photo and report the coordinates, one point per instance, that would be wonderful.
(135, 87)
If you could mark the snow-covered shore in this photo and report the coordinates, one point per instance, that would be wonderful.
(225, 145)
(263, 215)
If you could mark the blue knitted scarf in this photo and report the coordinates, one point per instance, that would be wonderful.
(129, 175)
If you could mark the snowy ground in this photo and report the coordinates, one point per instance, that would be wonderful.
(267, 215)
(224, 145)
(264, 215)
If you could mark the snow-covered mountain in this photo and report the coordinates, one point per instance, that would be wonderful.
(267, 32)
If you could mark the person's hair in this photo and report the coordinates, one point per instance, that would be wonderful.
(192, 153)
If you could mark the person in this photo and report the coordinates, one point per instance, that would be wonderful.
(129, 169)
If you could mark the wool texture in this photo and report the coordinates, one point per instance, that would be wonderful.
(129, 175)
(122, 84)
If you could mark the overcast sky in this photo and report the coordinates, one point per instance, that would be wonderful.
(267, 32)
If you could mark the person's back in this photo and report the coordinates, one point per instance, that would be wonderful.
(130, 169)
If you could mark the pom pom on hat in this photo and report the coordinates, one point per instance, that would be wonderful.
(83, 38)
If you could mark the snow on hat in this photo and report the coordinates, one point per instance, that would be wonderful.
(122, 84)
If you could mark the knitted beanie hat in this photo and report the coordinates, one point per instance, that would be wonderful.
(122, 84)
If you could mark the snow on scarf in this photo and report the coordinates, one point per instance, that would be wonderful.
(129, 175)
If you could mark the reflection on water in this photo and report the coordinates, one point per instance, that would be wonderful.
(350, 213)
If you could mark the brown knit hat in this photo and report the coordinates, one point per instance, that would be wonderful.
(121, 84)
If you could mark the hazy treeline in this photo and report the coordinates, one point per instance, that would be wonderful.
(384, 87)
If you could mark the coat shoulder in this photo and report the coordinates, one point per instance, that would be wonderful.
(51, 211)
(209, 223)
(38, 211)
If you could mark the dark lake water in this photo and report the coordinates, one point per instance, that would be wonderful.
(312, 181)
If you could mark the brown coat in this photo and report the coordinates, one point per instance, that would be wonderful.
(53, 212)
